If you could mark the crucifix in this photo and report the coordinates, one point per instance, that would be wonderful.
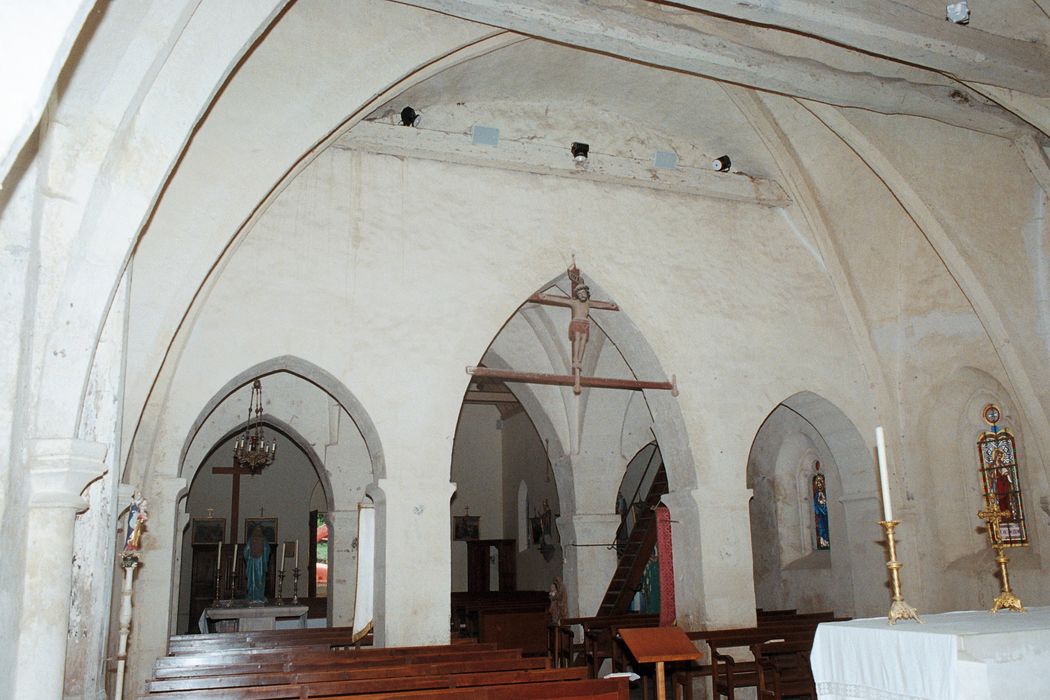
(235, 493)
(579, 302)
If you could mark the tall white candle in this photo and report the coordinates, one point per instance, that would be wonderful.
(234, 570)
(884, 476)
(218, 559)
(283, 546)
(297, 554)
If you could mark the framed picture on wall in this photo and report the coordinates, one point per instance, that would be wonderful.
(268, 525)
(466, 527)
(207, 530)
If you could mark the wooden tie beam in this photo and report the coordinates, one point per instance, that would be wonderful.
(507, 375)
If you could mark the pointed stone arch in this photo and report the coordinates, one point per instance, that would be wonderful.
(790, 572)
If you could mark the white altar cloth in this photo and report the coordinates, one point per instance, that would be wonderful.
(958, 655)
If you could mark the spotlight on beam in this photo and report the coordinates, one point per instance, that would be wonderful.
(410, 117)
(722, 164)
(579, 151)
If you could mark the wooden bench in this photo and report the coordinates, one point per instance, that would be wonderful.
(520, 628)
(189, 644)
(561, 638)
(290, 661)
(784, 669)
(466, 607)
(727, 673)
(298, 687)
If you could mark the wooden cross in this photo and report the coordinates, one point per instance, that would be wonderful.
(993, 515)
(235, 493)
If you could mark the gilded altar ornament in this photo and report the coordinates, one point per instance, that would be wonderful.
(992, 515)
(899, 609)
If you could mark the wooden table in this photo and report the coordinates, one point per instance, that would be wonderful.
(659, 645)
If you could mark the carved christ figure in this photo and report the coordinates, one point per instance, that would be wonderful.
(580, 304)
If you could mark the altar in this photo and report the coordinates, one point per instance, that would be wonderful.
(246, 618)
(967, 655)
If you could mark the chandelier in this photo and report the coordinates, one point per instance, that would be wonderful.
(252, 451)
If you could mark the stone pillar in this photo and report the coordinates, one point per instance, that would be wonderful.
(589, 562)
(413, 583)
(342, 566)
(152, 597)
(59, 471)
(713, 571)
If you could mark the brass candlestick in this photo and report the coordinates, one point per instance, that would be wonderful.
(280, 588)
(993, 515)
(295, 586)
(218, 588)
(899, 610)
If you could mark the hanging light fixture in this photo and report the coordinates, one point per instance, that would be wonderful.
(252, 451)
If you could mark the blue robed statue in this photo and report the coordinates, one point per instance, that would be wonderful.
(256, 563)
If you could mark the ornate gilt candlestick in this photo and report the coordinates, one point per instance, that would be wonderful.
(899, 610)
(992, 515)
(280, 587)
(218, 588)
(295, 586)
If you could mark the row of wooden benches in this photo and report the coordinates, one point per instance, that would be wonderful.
(322, 663)
(779, 644)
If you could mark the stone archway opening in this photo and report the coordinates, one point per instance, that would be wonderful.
(801, 550)
(581, 442)
(327, 455)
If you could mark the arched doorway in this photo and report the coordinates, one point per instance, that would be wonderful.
(327, 455)
(813, 485)
(587, 438)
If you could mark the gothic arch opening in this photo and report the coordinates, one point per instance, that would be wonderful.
(575, 447)
(813, 486)
(327, 454)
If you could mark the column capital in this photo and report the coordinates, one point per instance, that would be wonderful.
(60, 469)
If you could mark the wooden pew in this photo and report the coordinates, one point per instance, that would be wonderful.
(588, 689)
(289, 661)
(394, 666)
(393, 682)
(784, 669)
(562, 647)
(599, 637)
(727, 673)
(467, 606)
(189, 644)
(519, 628)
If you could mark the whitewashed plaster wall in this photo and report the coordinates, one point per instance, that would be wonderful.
(525, 461)
(405, 267)
(477, 471)
(789, 571)
(924, 330)
(158, 68)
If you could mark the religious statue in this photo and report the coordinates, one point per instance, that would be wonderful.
(256, 563)
(580, 304)
(137, 518)
(820, 509)
(559, 607)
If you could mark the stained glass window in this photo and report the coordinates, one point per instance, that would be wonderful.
(820, 509)
(997, 454)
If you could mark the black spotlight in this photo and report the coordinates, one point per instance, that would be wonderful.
(579, 151)
(409, 117)
(722, 164)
